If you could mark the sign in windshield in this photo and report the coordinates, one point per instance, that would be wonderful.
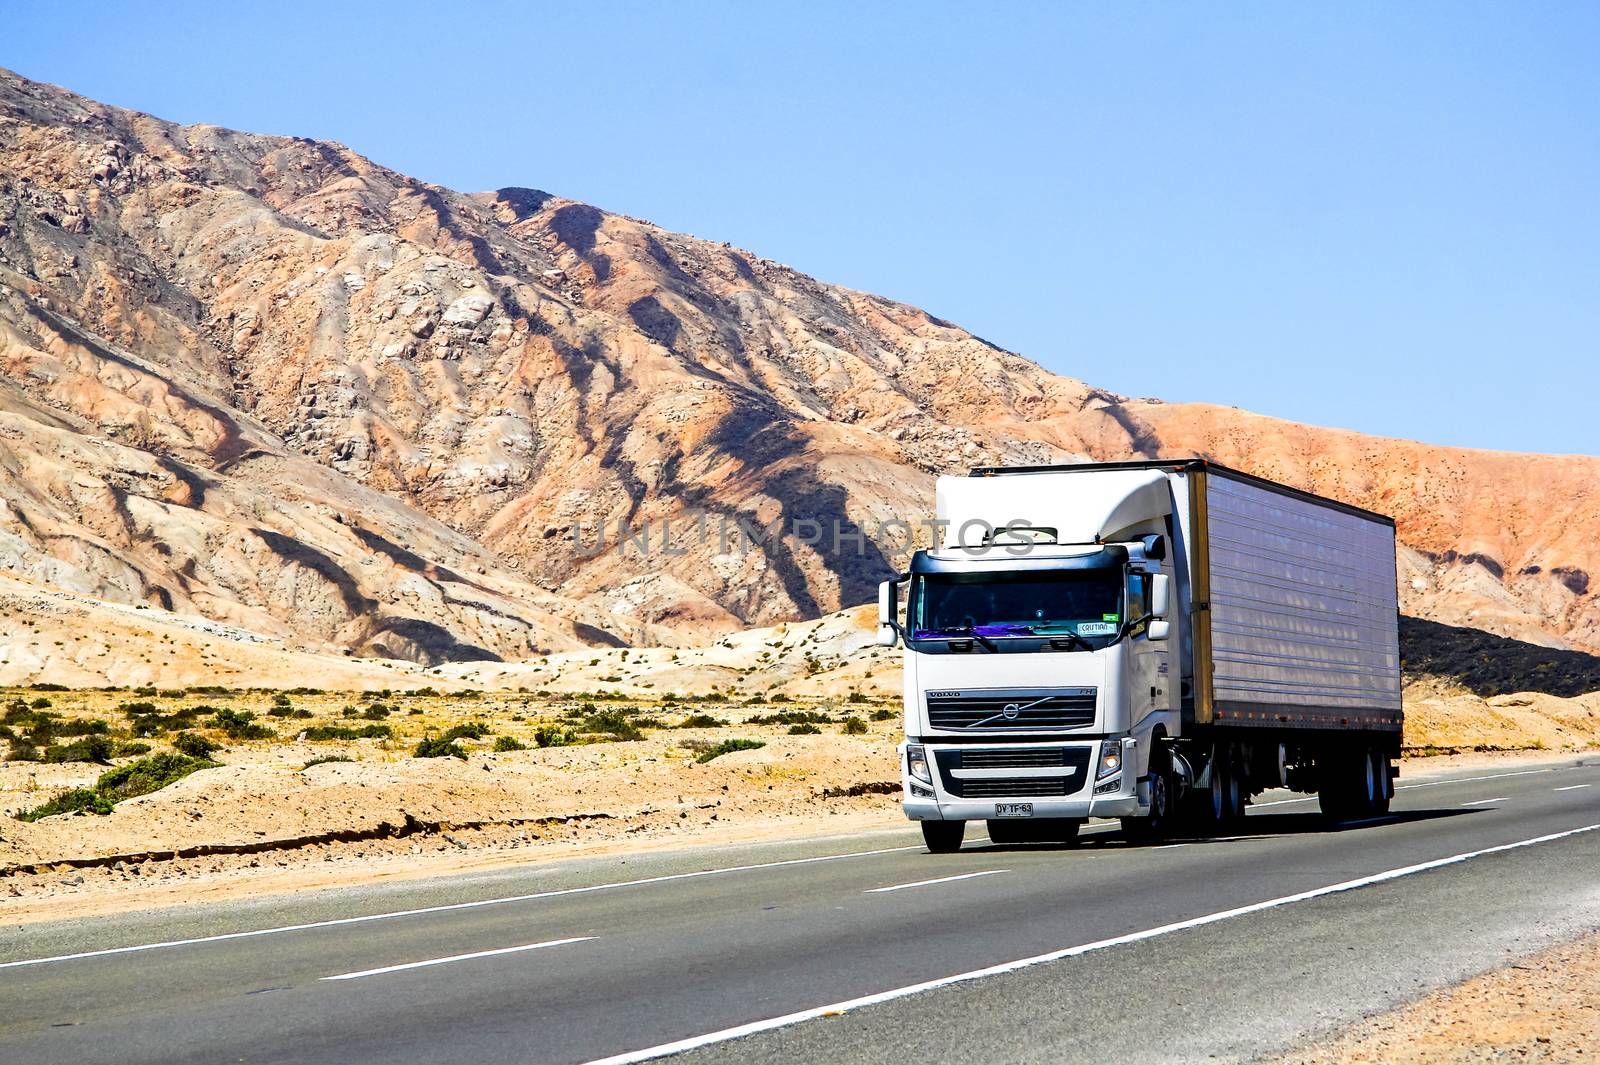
(985, 606)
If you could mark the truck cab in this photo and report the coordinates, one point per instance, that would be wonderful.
(1038, 670)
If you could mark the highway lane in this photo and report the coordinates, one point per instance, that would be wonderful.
(585, 971)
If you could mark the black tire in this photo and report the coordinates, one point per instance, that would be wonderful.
(1162, 801)
(1224, 799)
(943, 837)
(1238, 789)
(1353, 785)
(1385, 783)
(1026, 830)
(1333, 797)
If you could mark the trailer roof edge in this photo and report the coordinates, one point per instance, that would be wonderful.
(1189, 465)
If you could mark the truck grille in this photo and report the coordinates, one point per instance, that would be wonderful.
(1063, 708)
(1028, 787)
(1073, 761)
(1014, 758)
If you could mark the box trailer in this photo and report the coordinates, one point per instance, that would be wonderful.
(1143, 640)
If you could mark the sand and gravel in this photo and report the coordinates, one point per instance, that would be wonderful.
(1543, 1009)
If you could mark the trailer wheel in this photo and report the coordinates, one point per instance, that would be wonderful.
(1384, 783)
(1225, 799)
(1350, 785)
(1159, 823)
(943, 837)
(1238, 788)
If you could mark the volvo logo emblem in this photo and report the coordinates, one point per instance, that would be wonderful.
(1010, 710)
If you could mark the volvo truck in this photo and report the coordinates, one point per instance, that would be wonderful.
(1150, 641)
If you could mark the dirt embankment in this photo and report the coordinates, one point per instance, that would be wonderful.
(1545, 1009)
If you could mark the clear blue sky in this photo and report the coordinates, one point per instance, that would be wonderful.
(1379, 216)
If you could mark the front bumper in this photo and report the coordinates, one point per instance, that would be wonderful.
(969, 788)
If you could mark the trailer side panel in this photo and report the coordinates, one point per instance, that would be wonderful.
(1302, 610)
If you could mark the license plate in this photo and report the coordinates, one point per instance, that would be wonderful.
(1013, 809)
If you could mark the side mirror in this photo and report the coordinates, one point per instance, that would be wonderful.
(888, 613)
(1158, 630)
(1160, 595)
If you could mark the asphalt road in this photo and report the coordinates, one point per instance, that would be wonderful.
(845, 949)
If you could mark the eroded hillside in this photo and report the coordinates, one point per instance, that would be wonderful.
(267, 381)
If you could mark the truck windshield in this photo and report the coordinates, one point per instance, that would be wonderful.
(1081, 604)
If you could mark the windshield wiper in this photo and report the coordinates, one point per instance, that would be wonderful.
(955, 632)
(1070, 638)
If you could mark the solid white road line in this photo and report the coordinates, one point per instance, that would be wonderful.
(1480, 802)
(1572, 787)
(939, 880)
(1426, 784)
(447, 907)
(458, 957)
(694, 1042)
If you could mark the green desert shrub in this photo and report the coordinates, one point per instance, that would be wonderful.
(472, 730)
(509, 743)
(804, 730)
(84, 800)
(884, 715)
(194, 745)
(125, 782)
(728, 747)
(325, 759)
(790, 717)
(323, 733)
(703, 721)
(553, 736)
(438, 747)
(240, 725)
(88, 749)
(613, 723)
(148, 774)
(854, 726)
(95, 727)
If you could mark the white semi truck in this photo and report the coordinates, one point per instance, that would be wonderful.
(1147, 641)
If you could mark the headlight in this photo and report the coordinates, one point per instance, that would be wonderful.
(1110, 759)
(917, 762)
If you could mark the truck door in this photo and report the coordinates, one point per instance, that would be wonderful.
(1148, 680)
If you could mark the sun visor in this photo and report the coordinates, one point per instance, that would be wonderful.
(1099, 506)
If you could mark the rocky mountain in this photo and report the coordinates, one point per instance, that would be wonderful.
(266, 381)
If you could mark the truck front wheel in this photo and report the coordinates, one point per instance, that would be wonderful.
(1159, 821)
(943, 837)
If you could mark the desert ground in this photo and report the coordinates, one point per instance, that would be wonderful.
(1542, 1009)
